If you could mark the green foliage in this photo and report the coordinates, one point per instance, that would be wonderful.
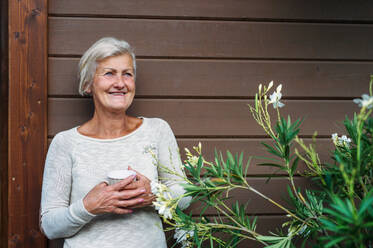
(335, 211)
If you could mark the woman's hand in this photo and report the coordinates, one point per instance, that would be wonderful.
(114, 198)
(141, 182)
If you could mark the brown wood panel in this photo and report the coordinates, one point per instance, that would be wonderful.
(27, 121)
(215, 78)
(195, 117)
(4, 93)
(218, 39)
(276, 189)
(265, 9)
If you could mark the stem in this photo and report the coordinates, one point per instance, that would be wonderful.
(273, 202)
(225, 226)
(278, 114)
(241, 227)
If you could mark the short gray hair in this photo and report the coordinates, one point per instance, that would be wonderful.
(100, 50)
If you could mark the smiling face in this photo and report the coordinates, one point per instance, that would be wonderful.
(113, 87)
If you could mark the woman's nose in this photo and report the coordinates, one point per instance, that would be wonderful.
(119, 82)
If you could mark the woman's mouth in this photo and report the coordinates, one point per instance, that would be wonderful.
(117, 93)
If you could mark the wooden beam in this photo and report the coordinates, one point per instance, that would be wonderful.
(27, 120)
(3, 121)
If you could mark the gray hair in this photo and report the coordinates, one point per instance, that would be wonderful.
(100, 50)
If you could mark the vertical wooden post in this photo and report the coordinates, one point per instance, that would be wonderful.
(27, 135)
(3, 122)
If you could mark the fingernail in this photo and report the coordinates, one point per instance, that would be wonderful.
(143, 190)
(141, 200)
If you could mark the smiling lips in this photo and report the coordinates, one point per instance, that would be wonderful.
(117, 93)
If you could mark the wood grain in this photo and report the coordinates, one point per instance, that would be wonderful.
(217, 39)
(194, 117)
(27, 120)
(238, 9)
(4, 97)
(230, 78)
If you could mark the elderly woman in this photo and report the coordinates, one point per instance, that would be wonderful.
(77, 202)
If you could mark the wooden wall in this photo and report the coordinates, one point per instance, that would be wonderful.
(23, 111)
(4, 87)
(200, 63)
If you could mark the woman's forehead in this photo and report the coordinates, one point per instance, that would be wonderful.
(122, 62)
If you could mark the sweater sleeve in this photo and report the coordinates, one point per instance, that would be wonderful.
(169, 156)
(59, 218)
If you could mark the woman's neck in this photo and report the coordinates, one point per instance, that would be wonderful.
(107, 125)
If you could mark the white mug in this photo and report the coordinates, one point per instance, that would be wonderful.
(116, 176)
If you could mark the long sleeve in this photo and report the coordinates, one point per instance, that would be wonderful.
(58, 216)
(169, 156)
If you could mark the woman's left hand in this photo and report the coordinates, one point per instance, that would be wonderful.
(142, 182)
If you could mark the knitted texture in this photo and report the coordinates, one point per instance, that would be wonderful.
(76, 163)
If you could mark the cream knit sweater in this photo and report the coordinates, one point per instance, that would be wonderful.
(76, 163)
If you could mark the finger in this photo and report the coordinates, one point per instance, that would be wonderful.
(146, 202)
(122, 211)
(138, 174)
(123, 183)
(104, 183)
(128, 194)
(135, 185)
(130, 203)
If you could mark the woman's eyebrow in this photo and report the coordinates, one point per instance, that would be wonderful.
(109, 68)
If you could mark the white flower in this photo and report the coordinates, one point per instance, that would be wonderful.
(182, 236)
(335, 138)
(270, 85)
(154, 187)
(163, 201)
(163, 210)
(341, 141)
(366, 101)
(276, 97)
(345, 139)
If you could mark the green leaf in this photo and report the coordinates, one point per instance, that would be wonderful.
(273, 165)
(335, 241)
(269, 238)
(294, 166)
(272, 150)
(366, 203)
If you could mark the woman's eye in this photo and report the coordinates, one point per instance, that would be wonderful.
(109, 73)
(127, 74)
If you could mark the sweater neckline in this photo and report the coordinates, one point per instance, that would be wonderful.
(144, 121)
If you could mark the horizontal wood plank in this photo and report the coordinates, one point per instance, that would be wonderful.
(195, 117)
(265, 9)
(216, 78)
(218, 39)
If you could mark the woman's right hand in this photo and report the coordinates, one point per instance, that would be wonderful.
(114, 198)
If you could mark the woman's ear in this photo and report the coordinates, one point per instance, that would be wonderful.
(88, 90)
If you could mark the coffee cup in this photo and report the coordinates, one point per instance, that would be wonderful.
(116, 176)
